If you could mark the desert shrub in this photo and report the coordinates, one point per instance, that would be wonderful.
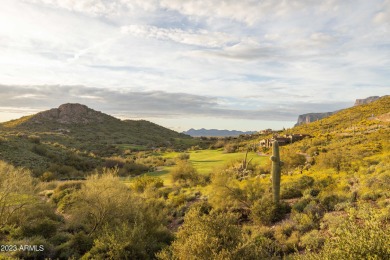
(292, 160)
(16, 192)
(34, 139)
(138, 240)
(266, 212)
(315, 210)
(301, 204)
(305, 222)
(62, 171)
(114, 162)
(177, 200)
(39, 149)
(35, 219)
(325, 182)
(287, 236)
(218, 144)
(361, 236)
(290, 192)
(133, 169)
(120, 223)
(231, 193)
(313, 192)
(69, 185)
(313, 151)
(330, 201)
(169, 162)
(230, 148)
(183, 156)
(305, 182)
(60, 238)
(371, 195)
(75, 247)
(212, 234)
(312, 241)
(336, 159)
(48, 176)
(44, 227)
(63, 195)
(140, 184)
(185, 173)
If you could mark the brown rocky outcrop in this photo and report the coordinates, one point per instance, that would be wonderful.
(311, 117)
(71, 114)
(365, 100)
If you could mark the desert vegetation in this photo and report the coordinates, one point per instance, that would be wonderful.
(204, 200)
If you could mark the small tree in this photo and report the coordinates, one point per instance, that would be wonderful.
(206, 235)
(292, 160)
(185, 173)
(16, 191)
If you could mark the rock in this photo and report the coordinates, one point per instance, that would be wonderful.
(71, 114)
(368, 100)
(311, 117)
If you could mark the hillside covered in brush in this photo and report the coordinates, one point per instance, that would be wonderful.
(76, 136)
(350, 140)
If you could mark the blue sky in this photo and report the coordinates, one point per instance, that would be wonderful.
(243, 65)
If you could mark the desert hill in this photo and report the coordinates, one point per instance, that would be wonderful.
(364, 116)
(312, 117)
(80, 137)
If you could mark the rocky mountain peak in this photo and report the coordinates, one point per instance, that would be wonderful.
(365, 100)
(311, 117)
(71, 113)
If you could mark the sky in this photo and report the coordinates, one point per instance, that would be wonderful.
(225, 64)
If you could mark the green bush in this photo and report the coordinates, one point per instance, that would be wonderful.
(75, 247)
(312, 241)
(183, 156)
(40, 227)
(140, 184)
(291, 192)
(34, 139)
(65, 189)
(301, 204)
(266, 212)
(305, 222)
(305, 182)
(185, 173)
(39, 149)
(313, 192)
(361, 236)
(230, 148)
(209, 235)
(330, 201)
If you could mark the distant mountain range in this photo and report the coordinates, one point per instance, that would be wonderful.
(215, 132)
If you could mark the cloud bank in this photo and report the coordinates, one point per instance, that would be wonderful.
(145, 104)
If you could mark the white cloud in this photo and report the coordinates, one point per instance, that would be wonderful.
(93, 7)
(192, 37)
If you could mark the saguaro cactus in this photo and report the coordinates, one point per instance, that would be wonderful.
(276, 171)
